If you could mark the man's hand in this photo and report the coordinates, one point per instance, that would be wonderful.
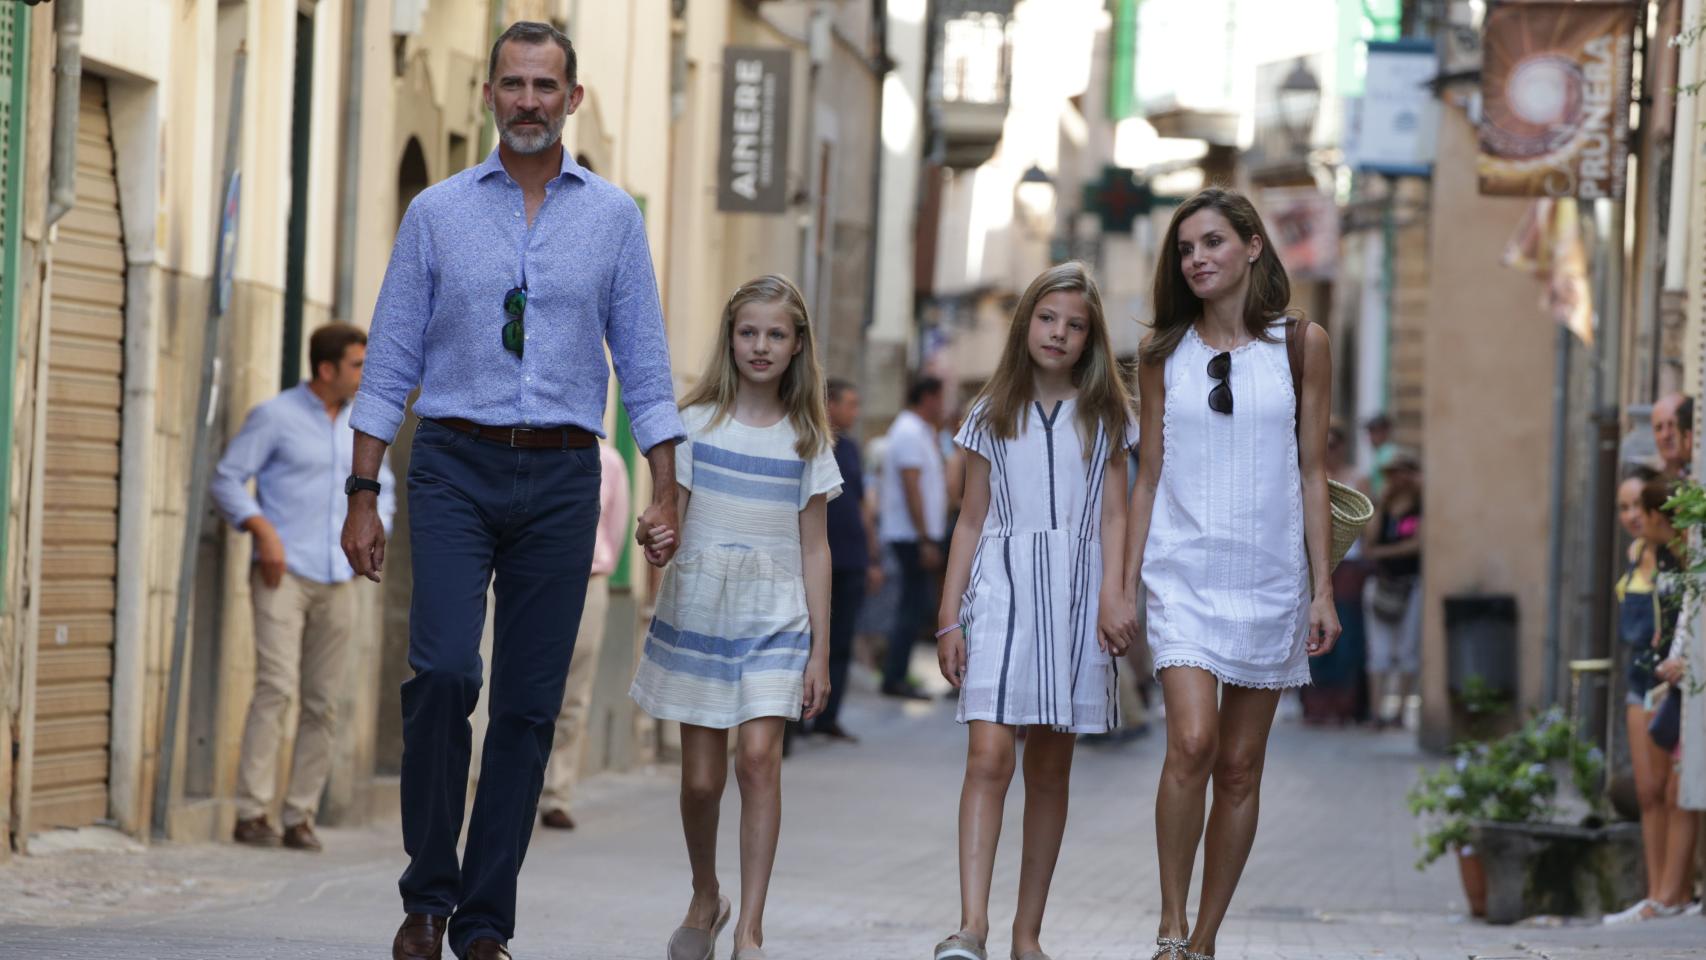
(656, 531)
(364, 535)
(929, 555)
(873, 578)
(269, 550)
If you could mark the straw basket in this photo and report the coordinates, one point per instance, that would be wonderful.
(1351, 513)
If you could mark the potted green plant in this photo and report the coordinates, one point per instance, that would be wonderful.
(1498, 807)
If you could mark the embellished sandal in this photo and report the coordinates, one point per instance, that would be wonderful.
(1197, 956)
(1169, 948)
(960, 946)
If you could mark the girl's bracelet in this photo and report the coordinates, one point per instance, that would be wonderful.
(950, 628)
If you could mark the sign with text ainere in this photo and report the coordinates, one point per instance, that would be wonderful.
(752, 163)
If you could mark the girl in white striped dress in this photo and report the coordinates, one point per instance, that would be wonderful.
(740, 634)
(1031, 623)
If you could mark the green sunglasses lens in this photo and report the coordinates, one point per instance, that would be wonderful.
(514, 337)
(515, 302)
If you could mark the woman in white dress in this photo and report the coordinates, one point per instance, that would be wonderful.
(1229, 528)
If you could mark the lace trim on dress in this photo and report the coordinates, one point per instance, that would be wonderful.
(1225, 676)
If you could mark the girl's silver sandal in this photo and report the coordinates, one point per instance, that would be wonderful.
(1197, 956)
(1167, 948)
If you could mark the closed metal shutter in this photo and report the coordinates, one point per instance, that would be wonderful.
(81, 493)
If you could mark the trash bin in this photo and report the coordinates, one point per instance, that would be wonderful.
(1481, 638)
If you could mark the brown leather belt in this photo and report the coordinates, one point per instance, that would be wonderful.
(530, 438)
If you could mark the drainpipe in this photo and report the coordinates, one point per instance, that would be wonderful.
(352, 162)
(67, 99)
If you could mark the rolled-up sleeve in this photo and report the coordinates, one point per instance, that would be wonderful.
(248, 451)
(638, 344)
(396, 339)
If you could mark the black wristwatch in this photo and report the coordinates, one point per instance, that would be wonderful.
(355, 483)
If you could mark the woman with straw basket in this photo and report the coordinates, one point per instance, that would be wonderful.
(1232, 529)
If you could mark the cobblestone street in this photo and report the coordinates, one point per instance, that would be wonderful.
(866, 870)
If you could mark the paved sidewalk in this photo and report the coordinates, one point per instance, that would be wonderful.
(866, 870)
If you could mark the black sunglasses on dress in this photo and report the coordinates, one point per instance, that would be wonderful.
(515, 307)
(1220, 398)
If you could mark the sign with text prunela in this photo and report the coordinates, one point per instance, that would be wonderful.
(752, 165)
(1555, 99)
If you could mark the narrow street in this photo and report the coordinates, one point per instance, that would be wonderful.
(866, 870)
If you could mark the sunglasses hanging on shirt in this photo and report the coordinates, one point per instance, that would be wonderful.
(515, 307)
(1220, 368)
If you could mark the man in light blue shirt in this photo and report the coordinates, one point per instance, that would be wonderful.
(505, 285)
(297, 448)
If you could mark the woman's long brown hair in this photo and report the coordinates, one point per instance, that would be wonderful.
(1102, 395)
(1267, 298)
(802, 390)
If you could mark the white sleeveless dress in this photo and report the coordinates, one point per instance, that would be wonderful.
(1225, 566)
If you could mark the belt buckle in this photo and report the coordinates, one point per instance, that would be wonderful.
(512, 432)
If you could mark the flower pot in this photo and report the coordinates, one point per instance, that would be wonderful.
(1558, 869)
(1474, 876)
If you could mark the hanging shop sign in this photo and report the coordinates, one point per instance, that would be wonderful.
(1396, 116)
(752, 164)
(1555, 99)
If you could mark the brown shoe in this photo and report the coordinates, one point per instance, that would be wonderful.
(557, 820)
(486, 948)
(421, 937)
(301, 837)
(256, 832)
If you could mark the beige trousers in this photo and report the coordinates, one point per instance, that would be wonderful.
(302, 640)
(570, 740)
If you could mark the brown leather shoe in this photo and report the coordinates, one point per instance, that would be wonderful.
(301, 837)
(256, 832)
(557, 820)
(421, 937)
(486, 948)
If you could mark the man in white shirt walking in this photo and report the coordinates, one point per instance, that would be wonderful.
(912, 521)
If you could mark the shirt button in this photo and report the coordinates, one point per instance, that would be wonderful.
(518, 213)
(528, 379)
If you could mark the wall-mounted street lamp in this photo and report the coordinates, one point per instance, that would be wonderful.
(1035, 196)
(1299, 106)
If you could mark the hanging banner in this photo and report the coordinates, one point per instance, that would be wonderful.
(1555, 99)
(1303, 224)
(752, 162)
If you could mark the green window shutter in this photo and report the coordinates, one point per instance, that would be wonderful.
(14, 60)
(1122, 60)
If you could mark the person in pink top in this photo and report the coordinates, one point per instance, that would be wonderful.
(570, 738)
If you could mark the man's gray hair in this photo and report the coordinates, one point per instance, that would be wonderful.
(534, 32)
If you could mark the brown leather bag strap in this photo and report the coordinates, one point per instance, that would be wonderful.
(1296, 331)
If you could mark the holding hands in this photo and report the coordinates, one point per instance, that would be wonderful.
(655, 532)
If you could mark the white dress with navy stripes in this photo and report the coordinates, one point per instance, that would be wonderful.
(730, 634)
(1031, 604)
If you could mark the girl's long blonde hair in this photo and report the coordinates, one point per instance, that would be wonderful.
(802, 390)
(1102, 395)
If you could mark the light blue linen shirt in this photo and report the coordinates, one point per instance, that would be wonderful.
(299, 458)
(585, 262)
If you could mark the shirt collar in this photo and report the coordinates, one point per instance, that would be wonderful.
(494, 164)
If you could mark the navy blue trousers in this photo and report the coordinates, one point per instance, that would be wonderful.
(477, 509)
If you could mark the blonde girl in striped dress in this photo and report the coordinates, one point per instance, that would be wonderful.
(740, 635)
(1032, 622)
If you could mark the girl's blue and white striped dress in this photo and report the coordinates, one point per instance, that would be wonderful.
(1031, 605)
(730, 634)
